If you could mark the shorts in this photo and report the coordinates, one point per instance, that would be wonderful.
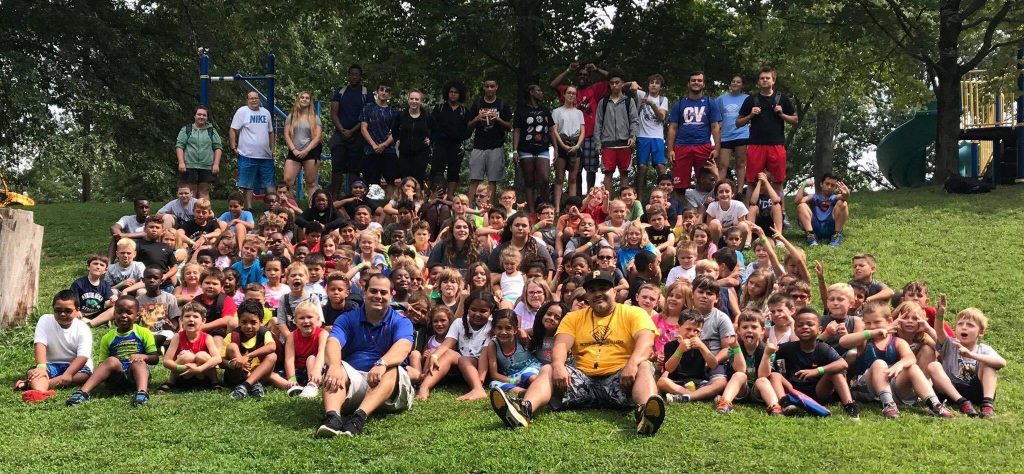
(301, 375)
(748, 394)
(861, 391)
(971, 391)
(255, 173)
(532, 156)
(196, 175)
(591, 161)
(347, 156)
(823, 229)
(524, 376)
(124, 380)
(650, 151)
(313, 155)
(447, 161)
(734, 144)
(619, 157)
(413, 164)
(689, 160)
(766, 158)
(380, 166)
(55, 370)
(400, 400)
(487, 164)
(591, 392)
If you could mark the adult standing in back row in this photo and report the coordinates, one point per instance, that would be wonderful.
(734, 139)
(448, 130)
(767, 112)
(199, 149)
(491, 119)
(587, 96)
(377, 123)
(252, 139)
(615, 129)
(692, 124)
(346, 144)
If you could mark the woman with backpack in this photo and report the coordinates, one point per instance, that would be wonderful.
(198, 148)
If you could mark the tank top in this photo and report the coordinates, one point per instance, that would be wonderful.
(433, 343)
(195, 347)
(517, 361)
(306, 346)
(873, 353)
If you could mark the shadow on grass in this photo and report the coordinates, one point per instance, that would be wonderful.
(297, 414)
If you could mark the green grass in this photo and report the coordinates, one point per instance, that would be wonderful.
(965, 246)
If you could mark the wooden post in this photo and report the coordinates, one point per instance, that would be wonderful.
(21, 245)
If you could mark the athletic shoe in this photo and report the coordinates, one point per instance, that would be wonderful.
(240, 392)
(792, 410)
(295, 390)
(677, 398)
(652, 414)
(36, 396)
(353, 425)
(141, 397)
(785, 222)
(507, 409)
(774, 410)
(21, 385)
(330, 426)
(812, 240)
(723, 407)
(987, 411)
(852, 410)
(257, 391)
(967, 408)
(78, 398)
(310, 391)
(837, 239)
(891, 411)
(941, 411)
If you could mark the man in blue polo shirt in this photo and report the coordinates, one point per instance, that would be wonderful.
(366, 354)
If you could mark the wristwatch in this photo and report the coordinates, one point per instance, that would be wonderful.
(380, 363)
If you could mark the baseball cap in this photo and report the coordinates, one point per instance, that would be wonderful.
(598, 278)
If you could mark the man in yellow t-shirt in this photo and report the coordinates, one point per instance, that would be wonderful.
(611, 344)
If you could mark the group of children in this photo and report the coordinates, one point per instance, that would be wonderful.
(246, 300)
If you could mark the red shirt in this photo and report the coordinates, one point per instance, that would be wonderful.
(306, 346)
(586, 101)
(195, 347)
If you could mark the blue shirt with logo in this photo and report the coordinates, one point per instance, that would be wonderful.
(694, 118)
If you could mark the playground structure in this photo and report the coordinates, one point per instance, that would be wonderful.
(991, 130)
(267, 99)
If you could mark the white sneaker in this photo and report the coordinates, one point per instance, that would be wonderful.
(294, 391)
(309, 391)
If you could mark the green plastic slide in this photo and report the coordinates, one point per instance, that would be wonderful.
(902, 153)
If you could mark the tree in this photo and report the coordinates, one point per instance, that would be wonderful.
(949, 38)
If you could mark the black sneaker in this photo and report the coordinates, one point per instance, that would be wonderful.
(78, 398)
(651, 414)
(141, 398)
(330, 426)
(257, 391)
(353, 425)
(852, 410)
(239, 392)
(507, 409)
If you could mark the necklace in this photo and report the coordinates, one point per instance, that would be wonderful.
(600, 333)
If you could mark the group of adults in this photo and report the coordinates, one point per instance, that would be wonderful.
(601, 126)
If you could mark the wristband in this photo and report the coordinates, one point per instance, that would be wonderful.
(867, 335)
(433, 357)
(40, 366)
(292, 379)
(180, 368)
(821, 371)
(678, 353)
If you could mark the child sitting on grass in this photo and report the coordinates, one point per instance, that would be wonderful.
(965, 371)
(129, 350)
(192, 355)
(125, 275)
(886, 369)
(189, 287)
(505, 359)
(809, 366)
(864, 268)
(462, 347)
(750, 384)
(237, 219)
(250, 353)
(63, 351)
(92, 290)
(686, 256)
(304, 354)
(689, 362)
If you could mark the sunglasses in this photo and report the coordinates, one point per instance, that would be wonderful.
(384, 89)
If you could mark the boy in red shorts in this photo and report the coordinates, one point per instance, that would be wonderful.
(615, 129)
(767, 112)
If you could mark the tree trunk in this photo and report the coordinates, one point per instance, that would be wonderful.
(826, 126)
(86, 186)
(21, 244)
(947, 92)
(529, 33)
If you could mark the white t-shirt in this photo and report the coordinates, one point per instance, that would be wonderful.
(729, 217)
(650, 126)
(64, 345)
(512, 286)
(569, 121)
(254, 127)
(474, 343)
(130, 225)
(678, 272)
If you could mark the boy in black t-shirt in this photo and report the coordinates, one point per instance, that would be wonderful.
(152, 252)
(750, 384)
(688, 362)
(809, 366)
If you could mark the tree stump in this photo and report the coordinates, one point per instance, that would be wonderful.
(21, 245)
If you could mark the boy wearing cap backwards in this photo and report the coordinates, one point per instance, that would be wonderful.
(611, 344)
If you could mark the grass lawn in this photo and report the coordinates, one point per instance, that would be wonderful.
(965, 246)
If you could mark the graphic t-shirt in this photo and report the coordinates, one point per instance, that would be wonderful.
(254, 128)
(767, 128)
(728, 217)
(194, 231)
(730, 106)
(823, 207)
(586, 101)
(533, 124)
(488, 135)
(694, 118)
(91, 297)
(154, 310)
(960, 369)
(138, 340)
(603, 345)
(380, 121)
(116, 273)
(650, 126)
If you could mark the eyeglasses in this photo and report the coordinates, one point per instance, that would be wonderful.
(60, 311)
(605, 257)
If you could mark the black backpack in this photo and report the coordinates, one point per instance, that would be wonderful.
(209, 131)
(961, 185)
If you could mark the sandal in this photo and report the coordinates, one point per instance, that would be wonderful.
(21, 385)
